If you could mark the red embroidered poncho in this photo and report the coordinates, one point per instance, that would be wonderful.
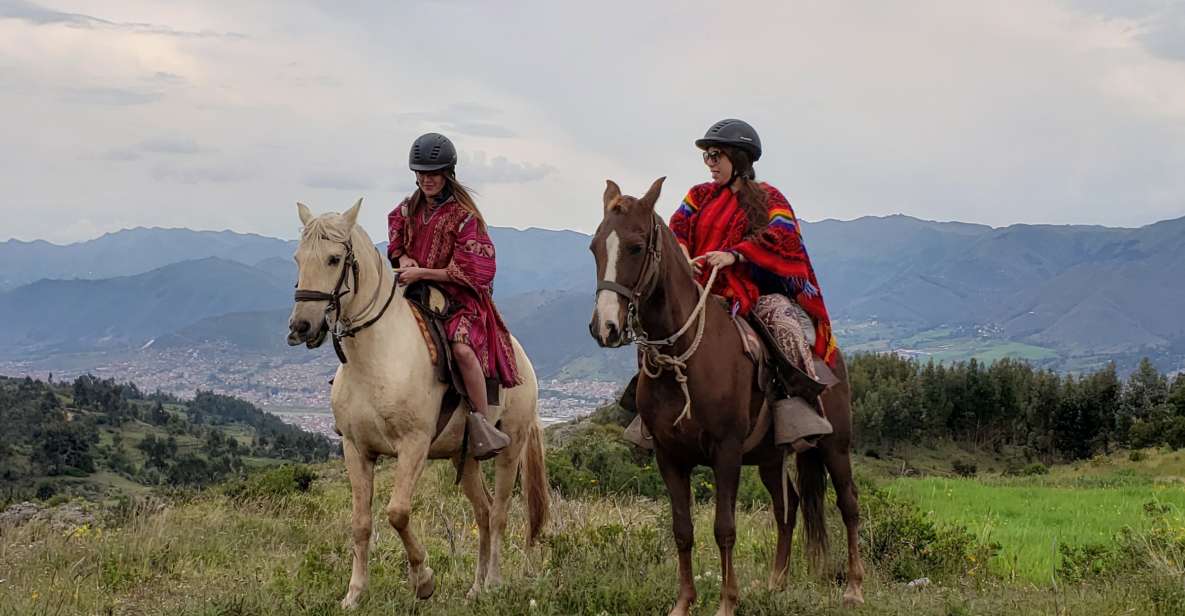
(447, 237)
(711, 219)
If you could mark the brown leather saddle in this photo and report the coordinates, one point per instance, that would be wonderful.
(777, 376)
(432, 310)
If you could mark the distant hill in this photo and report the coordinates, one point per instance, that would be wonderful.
(944, 289)
(136, 251)
(71, 315)
(130, 252)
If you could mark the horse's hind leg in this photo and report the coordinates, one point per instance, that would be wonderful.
(678, 480)
(727, 469)
(475, 490)
(771, 476)
(506, 466)
(360, 469)
(839, 464)
(413, 455)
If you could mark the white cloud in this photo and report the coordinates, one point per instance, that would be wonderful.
(1043, 111)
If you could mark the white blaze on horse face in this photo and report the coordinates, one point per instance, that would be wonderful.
(608, 302)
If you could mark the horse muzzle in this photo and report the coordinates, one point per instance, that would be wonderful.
(302, 331)
(610, 336)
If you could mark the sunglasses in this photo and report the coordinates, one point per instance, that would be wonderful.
(712, 156)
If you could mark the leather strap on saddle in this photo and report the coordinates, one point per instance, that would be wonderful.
(794, 380)
(432, 309)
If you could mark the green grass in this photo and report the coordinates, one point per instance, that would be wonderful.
(290, 555)
(1085, 503)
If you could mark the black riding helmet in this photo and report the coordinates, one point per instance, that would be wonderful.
(735, 133)
(432, 152)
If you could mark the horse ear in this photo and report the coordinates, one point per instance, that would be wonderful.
(351, 214)
(651, 197)
(612, 192)
(306, 215)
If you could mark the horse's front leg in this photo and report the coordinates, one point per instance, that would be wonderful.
(413, 455)
(727, 469)
(678, 480)
(360, 468)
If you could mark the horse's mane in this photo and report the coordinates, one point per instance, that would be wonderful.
(671, 246)
(331, 227)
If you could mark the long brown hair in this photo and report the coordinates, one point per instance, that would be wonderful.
(463, 194)
(750, 195)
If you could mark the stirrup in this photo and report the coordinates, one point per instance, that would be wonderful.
(798, 424)
(485, 441)
(637, 434)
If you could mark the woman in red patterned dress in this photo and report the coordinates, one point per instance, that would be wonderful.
(747, 229)
(437, 234)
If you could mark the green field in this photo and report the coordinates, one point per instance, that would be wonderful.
(1030, 518)
(944, 344)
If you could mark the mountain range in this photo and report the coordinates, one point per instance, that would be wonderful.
(1069, 296)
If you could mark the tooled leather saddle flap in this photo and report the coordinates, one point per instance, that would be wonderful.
(432, 311)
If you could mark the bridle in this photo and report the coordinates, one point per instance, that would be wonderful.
(655, 362)
(341, 326)
(647, 281)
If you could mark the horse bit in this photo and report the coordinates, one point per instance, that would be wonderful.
(341, 325)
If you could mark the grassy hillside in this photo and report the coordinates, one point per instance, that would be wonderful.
(101, 439)
(1104, 535)
(282, 551)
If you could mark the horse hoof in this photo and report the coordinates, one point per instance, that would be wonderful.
(474, 591)
(426, 586)
(853, 598)
(350, 602)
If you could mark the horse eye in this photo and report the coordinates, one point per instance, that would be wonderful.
(334, 260)
(636, 249)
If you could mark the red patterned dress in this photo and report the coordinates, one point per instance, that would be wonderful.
(775, 259)
(447, 237)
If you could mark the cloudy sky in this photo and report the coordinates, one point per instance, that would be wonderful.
(220, 115)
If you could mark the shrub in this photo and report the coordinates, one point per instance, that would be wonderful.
(1083, 562)
(1137, 456)
(46, 490)
(906, 544)
(274, 482)
(964, 469)
(1035, 468)
(595, 461)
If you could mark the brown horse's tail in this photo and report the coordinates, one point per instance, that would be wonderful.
(535, 484)
(812, 487)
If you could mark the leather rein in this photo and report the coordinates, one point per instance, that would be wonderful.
(341, 326)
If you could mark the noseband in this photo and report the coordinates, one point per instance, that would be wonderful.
(341, 325)
(647, 281)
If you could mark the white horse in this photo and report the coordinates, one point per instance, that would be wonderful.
(386, 399)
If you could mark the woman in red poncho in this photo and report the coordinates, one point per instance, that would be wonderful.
(747, 229)
(438, 235)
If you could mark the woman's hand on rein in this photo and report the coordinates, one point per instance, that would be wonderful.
(408, 275)
(719, 258)
(406, 262)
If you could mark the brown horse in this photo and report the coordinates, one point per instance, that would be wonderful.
(647, 290)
